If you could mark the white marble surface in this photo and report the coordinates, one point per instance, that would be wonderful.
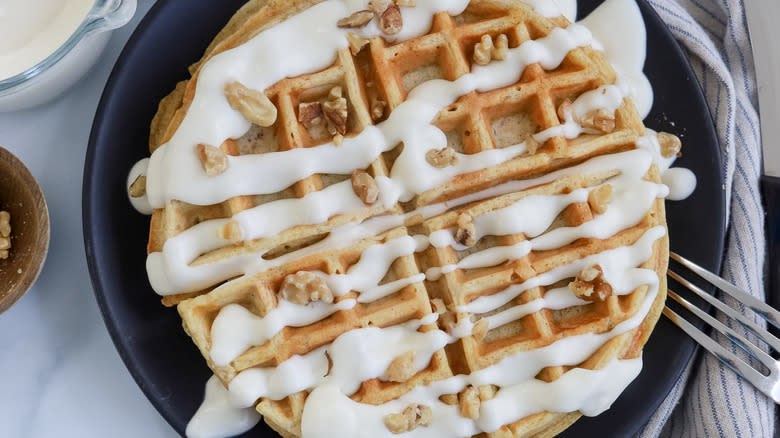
(60, 375)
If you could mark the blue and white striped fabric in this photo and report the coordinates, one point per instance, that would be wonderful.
(710, 400)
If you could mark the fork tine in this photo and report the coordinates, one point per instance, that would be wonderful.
(723, 307)
(729, 359)
(735, 337)
(761, 308)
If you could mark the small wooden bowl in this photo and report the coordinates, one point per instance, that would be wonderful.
(21, 196)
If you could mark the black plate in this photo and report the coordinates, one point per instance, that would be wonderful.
(149, 337)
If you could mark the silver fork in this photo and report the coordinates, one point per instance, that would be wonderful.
(769, 384)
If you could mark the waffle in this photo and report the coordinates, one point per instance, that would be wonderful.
(476, 122)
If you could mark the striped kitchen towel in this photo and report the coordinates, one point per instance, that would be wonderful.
(709, 400)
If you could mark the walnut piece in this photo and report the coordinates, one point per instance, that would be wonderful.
(365, 187)
(598, 199)
(230, 231)
(600, 120)
(5, 224)
(356, 43)
(5, 234)
(487, 49)
(379, 6)
(336, 112)
(213, 160)
(480, 329)
(304, 287)
(401, 368)
(440, 158)
(468, 402)
(670, 144)
(501, 48)
(378, 107)
(483, 50)
(466, 234)
(252, 104)
(449, 399)
(310, 114)
(138, 187)
(487, 392)
(590, 284)
(413, 416)
(358, 19)
(391, 21)
(406, 3)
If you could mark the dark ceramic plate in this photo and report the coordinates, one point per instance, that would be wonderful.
(149, 337)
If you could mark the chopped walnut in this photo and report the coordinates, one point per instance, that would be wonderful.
(406, 3)
(356, 43)
(252, 104)
(564, 109)
(501, 48)
(304, 287)
(598, 199)
(391, 21)
(670, 144)
(590, 284)
(379, 6)
(213, 160)
(365, 187)
(449, 399)
(483, 50)
(378, 107)
(468, 401)
(230, 231)
(601, 120)
(358, 19)
(480, 329)
(336, 112)
(138, 187)
(440, 158)
(413, 416)
(401, 368)
(338, 139)
(466, 233)
(310, 114)
(5, 224)
(5, 234)
(487, 392)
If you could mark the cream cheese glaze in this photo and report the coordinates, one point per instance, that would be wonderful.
(31, 30)
(174, 172)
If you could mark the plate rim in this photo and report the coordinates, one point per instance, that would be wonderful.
(125, 352)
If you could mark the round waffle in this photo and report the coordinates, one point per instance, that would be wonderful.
(478, 255)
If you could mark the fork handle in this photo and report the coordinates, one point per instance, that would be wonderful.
(771, 187)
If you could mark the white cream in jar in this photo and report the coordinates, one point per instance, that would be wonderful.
(32, 30)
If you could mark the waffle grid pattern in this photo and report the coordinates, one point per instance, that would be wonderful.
(473, 124)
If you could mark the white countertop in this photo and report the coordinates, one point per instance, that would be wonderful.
(61, 376)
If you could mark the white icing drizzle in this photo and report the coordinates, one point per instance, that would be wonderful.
(378, 347)
(169, 272)
(619, 30)
(235, 328)
(174, 173)
(617, 265)
(141, 204)
(681, 183)
(218, 417)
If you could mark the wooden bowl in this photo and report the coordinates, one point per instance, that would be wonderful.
(21, 196)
